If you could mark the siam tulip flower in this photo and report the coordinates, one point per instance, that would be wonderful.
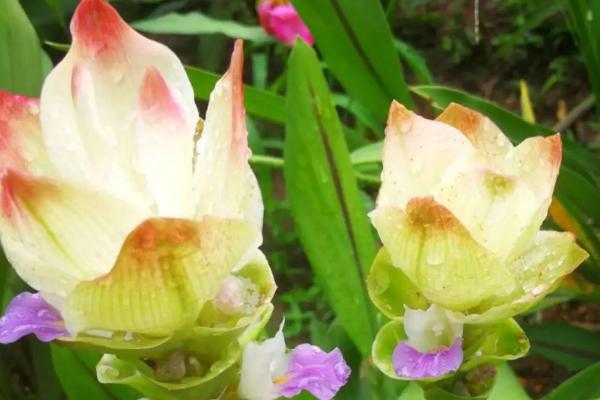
(280, 19)
(269, 371)
(433, 345)
(459, 214)
(140, 238)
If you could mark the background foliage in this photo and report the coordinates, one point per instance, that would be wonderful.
(316, 120)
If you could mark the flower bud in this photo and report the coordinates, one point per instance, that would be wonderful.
(280, 19)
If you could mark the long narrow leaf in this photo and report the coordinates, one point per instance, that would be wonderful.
(585, 21)
(21, 55)
(583, 386)
(415, 62)
(357, 45)
(326, 205)
(260, 103)
(575, 348)
(196, 23)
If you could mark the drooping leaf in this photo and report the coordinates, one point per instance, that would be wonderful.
(196, 23)
(326, 205)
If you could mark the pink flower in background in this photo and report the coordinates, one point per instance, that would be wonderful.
(280, 20)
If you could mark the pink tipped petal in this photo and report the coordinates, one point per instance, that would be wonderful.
(164, 146)
(20, 136)
(92, 100)
(283, 22)
(156, 99)
(319, 373)
(29, 313)
(97, 29)
(412, 364)
(224, 184)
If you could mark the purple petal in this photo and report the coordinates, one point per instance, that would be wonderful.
(411, 363)
(319, 373)
(29, 313)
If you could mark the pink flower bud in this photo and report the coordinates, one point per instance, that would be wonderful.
(280, 20)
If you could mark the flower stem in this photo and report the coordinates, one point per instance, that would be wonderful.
(277, 162)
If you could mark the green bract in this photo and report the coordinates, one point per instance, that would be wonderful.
(459, 214)
(482, 343)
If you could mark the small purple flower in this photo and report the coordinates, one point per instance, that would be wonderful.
(411, 363)
(319, 373)
(29, 313)
(269, 371)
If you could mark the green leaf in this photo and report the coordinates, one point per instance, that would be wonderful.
(196, 23)
(390, 289)
(21, 60)
(574, 348)
(212, 378)
(260, 103)
(415, 62)
(345, 102)
(584, 17)
(357, 45)
(508, 386)
(326, 205)
(370, 153)
(77, 372)
(570, 217)
(489, 343)
(47, 383)
(583, 386)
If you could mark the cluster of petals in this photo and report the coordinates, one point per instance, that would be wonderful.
(459, 214)
(104, 184)
(120, 212)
